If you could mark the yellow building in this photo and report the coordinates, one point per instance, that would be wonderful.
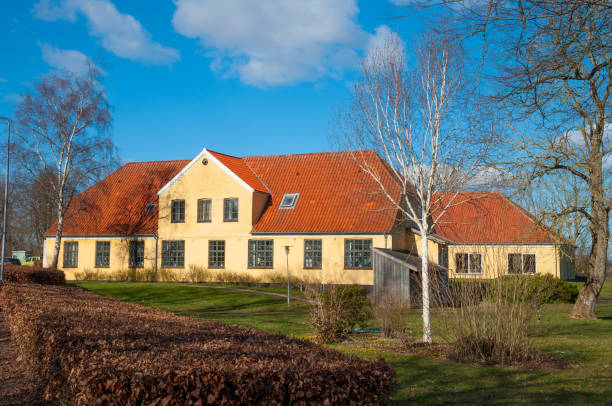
(224, 214)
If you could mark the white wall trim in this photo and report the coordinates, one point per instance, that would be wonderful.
(181, 173)
(197, 159)
(229, 172)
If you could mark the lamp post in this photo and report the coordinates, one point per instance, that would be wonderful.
(6, 179)
(288, 284)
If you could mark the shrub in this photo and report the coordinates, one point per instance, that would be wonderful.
(547, 288)
(30, 274)
(392, 313)
(197, 273)
(335, 311)
(358, 307)
(490, 322)
(88, 349)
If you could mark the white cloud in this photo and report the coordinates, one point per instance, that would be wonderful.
(268, 43)
(119, 33)
(576, 141)
(68, 60)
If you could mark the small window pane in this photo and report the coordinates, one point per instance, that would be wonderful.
(136, 254)
(102, 254)
(216, 254)
(71, 254)
(204, 210)
(173, 254)
(529, 263)
(475, 265)
(230, 209)
(358, 254)
(261, 253)
(514, 263)
(461, 263)
(312, 254)
(178, 211)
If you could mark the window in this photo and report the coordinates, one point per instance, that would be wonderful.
(443, 255)
(358, 254)
(521, 263)
(173, 254)
(178, 211)
(102, 254)
(151, 206)
(204, 210)
(468, 263)
(312, 254)
(261, 253)
(289, 200)
(216, 254)
(136, 254)
(71, 254)
(230, 209)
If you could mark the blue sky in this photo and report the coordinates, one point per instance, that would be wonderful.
(242, 77)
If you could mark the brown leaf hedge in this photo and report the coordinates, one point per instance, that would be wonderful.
(33, 274)
(93, 350)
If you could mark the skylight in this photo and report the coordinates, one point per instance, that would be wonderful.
(151, 206)
(289, 200)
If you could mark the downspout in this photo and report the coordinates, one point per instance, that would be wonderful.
(556, 262)
(156, 244)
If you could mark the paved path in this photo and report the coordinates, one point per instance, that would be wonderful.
(296, 298)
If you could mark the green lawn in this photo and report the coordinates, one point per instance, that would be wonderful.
(587, 345)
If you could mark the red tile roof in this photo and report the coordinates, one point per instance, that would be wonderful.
(488, 218)
(335, 195)
(240, 168)
(118, 204)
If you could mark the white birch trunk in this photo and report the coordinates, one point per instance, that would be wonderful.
(425, 287)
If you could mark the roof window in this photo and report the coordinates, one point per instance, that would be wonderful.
(289, 200)
(151, 207)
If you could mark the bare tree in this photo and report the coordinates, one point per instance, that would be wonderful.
(416, 118)
(551, 65)
(63, 129)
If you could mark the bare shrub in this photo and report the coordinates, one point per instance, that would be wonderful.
(197, 273)
(489, 321)
(327, 313)
(392, 314)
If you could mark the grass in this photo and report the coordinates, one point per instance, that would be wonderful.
(585, 345)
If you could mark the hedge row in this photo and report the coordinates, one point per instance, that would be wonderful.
(89, 349)
(29, 274)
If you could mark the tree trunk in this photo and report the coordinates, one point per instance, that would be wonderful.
(584, 308)
(58, 238)
(425, 288)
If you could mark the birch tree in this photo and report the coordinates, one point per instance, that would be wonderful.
(63, 127)
(416, 118)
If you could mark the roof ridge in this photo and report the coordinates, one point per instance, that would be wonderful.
(306, 154)
(150, 162)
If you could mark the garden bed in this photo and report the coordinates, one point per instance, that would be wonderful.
(89, 349)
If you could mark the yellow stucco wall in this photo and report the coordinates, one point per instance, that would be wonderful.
(494, 260)
(119, 253)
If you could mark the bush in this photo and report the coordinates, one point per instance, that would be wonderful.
(358, 308)
(335, 312)
(30, 274)
(392, 313)
(88, 349)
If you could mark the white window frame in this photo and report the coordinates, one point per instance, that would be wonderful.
(522, 254)
(469, 263)
(293, 196)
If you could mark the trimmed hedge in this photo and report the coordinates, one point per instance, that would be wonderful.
(90, 349)
(548, 288)
(29, 274)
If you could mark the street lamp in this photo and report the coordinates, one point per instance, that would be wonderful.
(288, 285)
(6, 179)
